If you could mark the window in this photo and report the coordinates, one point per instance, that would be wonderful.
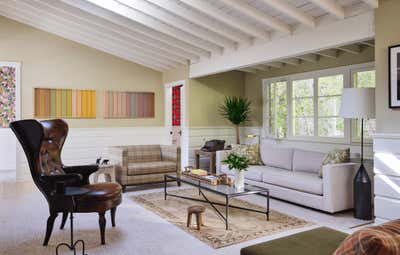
(307, 105)
(277, 105)
(364, 79)
(303, 107)
(329, 95)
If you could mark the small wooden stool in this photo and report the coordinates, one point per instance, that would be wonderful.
(198, 210)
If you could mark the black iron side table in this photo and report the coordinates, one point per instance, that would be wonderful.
(72, 192)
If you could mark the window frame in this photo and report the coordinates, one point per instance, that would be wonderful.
(354, 137)
(346, 71)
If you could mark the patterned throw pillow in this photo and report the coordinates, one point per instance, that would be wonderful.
(250, 151)
(335, 157)
(377, 240)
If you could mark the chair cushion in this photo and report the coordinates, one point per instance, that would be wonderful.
(307, 161)
(271, 155)
(101, 191)
(151, 167)
(383, 239)
(144, 153)
(301, 181)
(253, 173)
(320, 241)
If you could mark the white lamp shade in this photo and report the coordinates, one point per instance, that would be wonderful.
(358, 103)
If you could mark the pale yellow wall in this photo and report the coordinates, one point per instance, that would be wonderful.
(253, 87)
(207, 93)
(50, 61)
(387, 20)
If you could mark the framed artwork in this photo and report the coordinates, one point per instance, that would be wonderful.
(65, 103)
(394, 76)
(128, 105)
(9, 92)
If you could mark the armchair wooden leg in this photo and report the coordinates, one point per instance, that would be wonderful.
(49, 228)
(64, 220)
(102, 223)
(113, 210)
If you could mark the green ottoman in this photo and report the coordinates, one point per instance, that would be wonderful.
(320, 241)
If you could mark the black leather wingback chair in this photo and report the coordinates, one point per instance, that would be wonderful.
(42, 143)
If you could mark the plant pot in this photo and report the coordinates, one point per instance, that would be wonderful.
(239, 180)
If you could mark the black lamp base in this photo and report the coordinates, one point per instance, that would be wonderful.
(362, 195)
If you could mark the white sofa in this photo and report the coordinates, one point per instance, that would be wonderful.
(293, 175)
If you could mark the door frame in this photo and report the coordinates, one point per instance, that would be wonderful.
(184, 118)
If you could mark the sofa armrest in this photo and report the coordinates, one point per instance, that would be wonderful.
(220, 155)
(171, 153)
(338, 186)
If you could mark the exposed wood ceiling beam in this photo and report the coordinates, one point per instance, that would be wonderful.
(226, 18)
(145, 20)
(330, 53)
(332, 7)
(312, 58)
(275, 64)
(291, 61)
(248, 70)
(291, 11)
(174, 21)
(110, 29)
(353, 49)
(369, 43)
(64, 17)
(260, 16)
(66, 32)
(373, 3)
(200, 20)
(144, 31)
(262, 68)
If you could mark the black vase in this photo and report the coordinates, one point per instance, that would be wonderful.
(362, 195)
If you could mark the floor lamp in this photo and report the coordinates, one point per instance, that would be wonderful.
(359, 103)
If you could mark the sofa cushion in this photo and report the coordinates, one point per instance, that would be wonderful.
(144, 153)
(307, 161)
(272, 155)
(253, 173)
(375, 240)
(301, 181)
(151, 167)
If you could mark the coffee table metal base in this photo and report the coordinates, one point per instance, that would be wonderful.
(212, 203)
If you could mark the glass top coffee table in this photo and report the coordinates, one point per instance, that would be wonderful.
(222, 190)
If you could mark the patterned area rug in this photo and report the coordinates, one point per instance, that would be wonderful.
(243, 225)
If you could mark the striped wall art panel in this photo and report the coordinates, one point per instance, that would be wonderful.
(128, 105)
(65, 103)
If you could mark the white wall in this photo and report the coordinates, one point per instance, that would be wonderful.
(7, 149)
(84, 145)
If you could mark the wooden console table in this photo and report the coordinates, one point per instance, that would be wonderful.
(210, 154)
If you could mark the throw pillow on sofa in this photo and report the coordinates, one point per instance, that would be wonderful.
(250, 151)
(377, 240)
(335, 157)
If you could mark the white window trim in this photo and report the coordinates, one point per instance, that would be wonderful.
(346, 71)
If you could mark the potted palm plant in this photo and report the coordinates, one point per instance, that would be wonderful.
(239, 164)
(237, 111)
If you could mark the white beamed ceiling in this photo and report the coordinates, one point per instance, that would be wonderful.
(166, 34)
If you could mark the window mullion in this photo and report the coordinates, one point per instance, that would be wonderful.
(315, 101)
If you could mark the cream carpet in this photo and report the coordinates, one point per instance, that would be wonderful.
(243, 225)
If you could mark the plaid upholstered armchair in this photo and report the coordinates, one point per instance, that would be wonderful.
(142, 164)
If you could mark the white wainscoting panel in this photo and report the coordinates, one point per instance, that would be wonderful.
(387, 176)
(84, 145)
(8, 159)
